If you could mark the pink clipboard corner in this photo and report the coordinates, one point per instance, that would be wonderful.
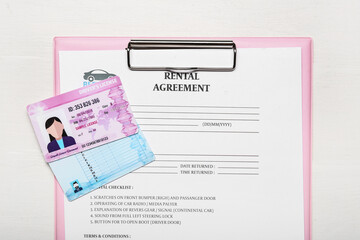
(307, 70)
(117, 43)
(59, 212)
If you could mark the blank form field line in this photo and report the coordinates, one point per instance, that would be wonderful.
(153, 130)
(198, 113)
(239, 167)
(203, 119)
(139, 105)
(158, 172)
(179, 125)
(206, 155)
(239, 173)
(207, 161)
(160, 167)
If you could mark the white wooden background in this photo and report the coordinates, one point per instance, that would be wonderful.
(27, 29)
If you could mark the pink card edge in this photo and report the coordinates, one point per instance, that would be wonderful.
(117, 43)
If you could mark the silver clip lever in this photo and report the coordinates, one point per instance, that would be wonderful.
(138, 45)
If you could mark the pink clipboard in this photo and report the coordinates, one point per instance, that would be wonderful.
(120, 43)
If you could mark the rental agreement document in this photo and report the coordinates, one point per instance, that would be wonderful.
(228, 151)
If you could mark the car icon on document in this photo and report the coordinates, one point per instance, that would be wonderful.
(97, 74)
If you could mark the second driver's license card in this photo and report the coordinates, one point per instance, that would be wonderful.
(89, 136)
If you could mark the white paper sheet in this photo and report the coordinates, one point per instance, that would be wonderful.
(228, 160)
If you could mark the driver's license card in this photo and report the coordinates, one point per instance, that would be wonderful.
(89, 136)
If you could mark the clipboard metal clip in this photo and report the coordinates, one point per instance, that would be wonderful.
(158, 45)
